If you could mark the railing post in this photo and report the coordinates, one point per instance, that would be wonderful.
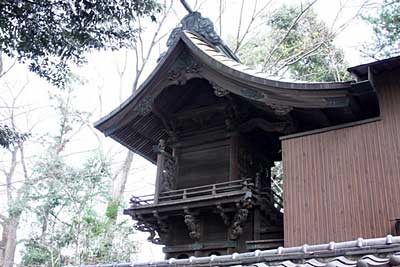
(184, 196)
(214, 189)
(160, 168)
(245, 184)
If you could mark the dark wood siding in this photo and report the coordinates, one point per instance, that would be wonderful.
(203, 164)
(345, 183)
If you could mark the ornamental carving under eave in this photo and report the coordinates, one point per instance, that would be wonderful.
(280, 110)
(219, 91)
(251, 93)
(144, 106)
(185, 64)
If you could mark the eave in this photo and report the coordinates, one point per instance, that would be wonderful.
(223, 72)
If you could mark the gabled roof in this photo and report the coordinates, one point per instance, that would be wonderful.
(376, 252)
(190, 55)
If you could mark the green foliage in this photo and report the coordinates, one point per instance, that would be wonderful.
(35, 254)
(301, 50)
(386, 27)
(9, 136)
(67, 202)
(48, 34)
(277, 181)
(112, 210)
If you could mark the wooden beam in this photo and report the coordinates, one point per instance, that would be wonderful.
(262, 124)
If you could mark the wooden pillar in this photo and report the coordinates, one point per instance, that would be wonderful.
(234, 157)
(256, 224)
(160, 169)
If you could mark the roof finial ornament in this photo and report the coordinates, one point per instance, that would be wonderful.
(197, 24)
(186, 6)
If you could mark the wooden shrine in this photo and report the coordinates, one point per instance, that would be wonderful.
(213, 127)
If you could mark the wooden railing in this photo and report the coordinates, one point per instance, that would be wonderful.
(142, 200)
(209, 190)
(192, 192)
(206, 190)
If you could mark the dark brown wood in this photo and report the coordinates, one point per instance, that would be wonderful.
(344, 183)
(141, 121)
(159, 174)
(233, 161)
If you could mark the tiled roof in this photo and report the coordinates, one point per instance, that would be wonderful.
(377, 252)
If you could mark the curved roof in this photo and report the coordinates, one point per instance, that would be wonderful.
(189, 56)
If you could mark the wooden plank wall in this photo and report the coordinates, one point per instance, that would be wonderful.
(345, 183)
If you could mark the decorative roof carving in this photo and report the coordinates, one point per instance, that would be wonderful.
(144, 107)
(184, 65)
(195, 23)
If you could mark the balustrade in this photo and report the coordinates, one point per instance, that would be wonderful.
(243, 185)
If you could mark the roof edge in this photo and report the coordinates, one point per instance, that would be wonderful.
(98, 124)
(278, 255)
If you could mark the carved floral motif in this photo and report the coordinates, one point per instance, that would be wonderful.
(144, 106)
(185, 64)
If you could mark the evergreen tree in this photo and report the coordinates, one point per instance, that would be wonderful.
(295, 44)
(386, 27)
(48, 34)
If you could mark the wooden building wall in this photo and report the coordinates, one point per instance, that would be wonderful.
(345, 183)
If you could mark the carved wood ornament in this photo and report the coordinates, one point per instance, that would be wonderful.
(152, 229)
(184, 65)
(168, 167)
(193, 225)
(240, 218)
(219, 91)
(144, 106)
(223, 215)
(279, 109)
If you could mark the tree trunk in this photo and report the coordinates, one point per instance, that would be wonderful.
(120, 183)
(10, 242)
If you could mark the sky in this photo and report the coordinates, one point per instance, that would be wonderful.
(105, 87)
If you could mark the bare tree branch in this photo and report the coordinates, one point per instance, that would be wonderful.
(295, 21)
(255, 15)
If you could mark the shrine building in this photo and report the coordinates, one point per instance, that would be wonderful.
(215, 127)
